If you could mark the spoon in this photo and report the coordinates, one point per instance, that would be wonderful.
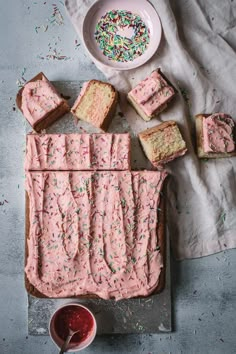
(67, 341)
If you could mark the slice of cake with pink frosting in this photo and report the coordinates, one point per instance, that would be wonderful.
(71, 152)
(96, 104)
(94, 233)
(215, 135)
(152, 95)
(40, 102)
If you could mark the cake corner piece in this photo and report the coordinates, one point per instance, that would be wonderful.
(163, 143)
(37, 93)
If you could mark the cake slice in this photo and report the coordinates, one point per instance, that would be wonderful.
(40, 103)
(215, 135)
(152, 95)
(163, 143)
(96, 103)
(74, 152)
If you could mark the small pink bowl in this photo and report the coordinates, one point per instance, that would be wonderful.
(59, 342)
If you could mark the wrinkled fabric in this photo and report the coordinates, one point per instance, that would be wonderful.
(198, 54)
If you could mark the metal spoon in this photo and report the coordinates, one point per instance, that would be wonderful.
(67, 341)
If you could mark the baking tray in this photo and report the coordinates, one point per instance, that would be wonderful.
(138, 315)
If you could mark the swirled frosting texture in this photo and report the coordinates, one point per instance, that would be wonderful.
(94, 233)
(77, 152)
(38, 99)
(218, 133)
(152, 93)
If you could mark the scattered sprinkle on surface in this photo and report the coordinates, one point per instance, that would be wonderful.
(77, 45)
(4, 202)
(56, 17)
(53, 54)
(22, 80)
(223, 217)
(42, 28)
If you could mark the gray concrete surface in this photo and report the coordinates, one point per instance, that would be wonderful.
(204, 290)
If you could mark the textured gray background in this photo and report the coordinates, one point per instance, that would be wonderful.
(204, 290)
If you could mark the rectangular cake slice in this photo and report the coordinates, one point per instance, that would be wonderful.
(53, 152)
(96, 104)
(151, 96)
(215, 135)
(40, 103)
(94, 233)
(163, 143)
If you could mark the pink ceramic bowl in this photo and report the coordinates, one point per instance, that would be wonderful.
(54, 324)
(143, 8)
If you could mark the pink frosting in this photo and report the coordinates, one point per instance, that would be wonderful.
(218, 133)
(77, 152)
(152, 93)
(39, 98)
(94, 232)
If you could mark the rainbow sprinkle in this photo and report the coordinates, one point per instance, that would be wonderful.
(120, 48)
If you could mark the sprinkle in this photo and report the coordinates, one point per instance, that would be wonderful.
(53, 55)
(77, 45)
(3, 202)
(43, 27)
(20, 82)
(115, 46)
(222, 217)
(56, 18)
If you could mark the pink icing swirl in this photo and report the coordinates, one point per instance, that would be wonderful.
(218, 133)
(152, 93)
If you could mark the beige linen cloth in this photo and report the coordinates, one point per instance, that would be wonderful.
(197, 53)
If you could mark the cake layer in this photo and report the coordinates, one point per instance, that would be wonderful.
(94, 233)
(163, 143)
(77, 152)
(96, 103)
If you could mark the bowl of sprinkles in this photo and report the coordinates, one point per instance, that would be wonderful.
(122, 34)
(115, 39)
